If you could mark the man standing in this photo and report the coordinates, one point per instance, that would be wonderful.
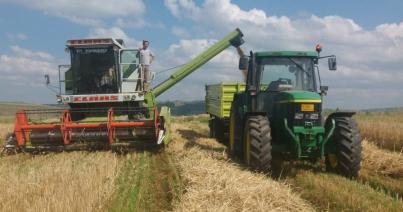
(146, 58)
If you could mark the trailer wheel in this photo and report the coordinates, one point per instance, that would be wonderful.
(216, 129)
(345, 156)
(235, 133)
(211, 127)
(257, 143)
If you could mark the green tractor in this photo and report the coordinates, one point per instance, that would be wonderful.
(280, 113)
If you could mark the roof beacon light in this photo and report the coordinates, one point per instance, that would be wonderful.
(318, 48)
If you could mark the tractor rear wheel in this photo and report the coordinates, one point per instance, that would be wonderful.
(345, 158)
(257, 143)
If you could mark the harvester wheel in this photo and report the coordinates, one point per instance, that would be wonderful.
(257, 143)
(345, 158)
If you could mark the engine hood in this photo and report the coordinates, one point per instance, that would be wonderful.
(298, 96)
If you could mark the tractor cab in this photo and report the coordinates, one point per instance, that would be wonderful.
(282, 73)
(286, 78)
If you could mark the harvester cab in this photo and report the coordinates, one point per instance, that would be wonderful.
(102, 74)
(280, 113)
(108, 105)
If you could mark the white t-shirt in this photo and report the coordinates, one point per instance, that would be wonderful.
(145, 56)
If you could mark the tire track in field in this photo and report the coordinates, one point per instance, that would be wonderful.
(212, 182)
(148, 182)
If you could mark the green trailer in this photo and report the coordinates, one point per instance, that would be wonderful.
(278, 112)
(218, 100)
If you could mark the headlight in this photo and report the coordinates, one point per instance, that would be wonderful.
(299, 116)
(313, 116)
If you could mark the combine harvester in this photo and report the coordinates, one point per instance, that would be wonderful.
(108, 105)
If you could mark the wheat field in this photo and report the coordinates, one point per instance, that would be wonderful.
(57, 182)
(385, 129)
(193, 173)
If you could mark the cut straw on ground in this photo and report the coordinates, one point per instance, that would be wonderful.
(213, 183)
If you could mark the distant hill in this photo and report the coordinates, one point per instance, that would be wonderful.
(10, 108)
(180, 108)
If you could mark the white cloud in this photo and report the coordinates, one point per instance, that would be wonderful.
(22, 75)
(23, 62)
(26, 53)
(17, 36)
(180, 32)
(370, 59)
(115, 32)
(177, 7)
(87, 12)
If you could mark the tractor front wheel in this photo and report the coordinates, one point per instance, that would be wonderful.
(344, 157)
(257, 143)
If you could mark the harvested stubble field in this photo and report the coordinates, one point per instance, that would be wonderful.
(193, 173)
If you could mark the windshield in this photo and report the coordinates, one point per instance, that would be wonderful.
(94, 70)
(287, 73)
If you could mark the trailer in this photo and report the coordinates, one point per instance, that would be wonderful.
(218, 100)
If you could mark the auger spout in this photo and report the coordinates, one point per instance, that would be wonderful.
(234, 38)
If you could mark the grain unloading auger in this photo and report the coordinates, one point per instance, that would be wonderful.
(108, 105)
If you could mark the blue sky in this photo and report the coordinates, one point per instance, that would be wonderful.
(366, 37)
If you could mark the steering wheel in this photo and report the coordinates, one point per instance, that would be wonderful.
(273, 86)
(286, 80)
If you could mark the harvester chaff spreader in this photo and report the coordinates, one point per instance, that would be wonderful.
(108, 105)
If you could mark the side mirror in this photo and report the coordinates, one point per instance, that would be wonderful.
(47, 79)
(243, 63)
(323, 90)
(332, 63)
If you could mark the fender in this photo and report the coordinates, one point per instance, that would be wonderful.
(336, 114)
(345, 113)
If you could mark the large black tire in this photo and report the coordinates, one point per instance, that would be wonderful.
(235, 133)
(345, 159)
(211, 127)
(216, 129)
(257, 143)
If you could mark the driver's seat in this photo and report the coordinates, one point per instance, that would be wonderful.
(278, 85)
